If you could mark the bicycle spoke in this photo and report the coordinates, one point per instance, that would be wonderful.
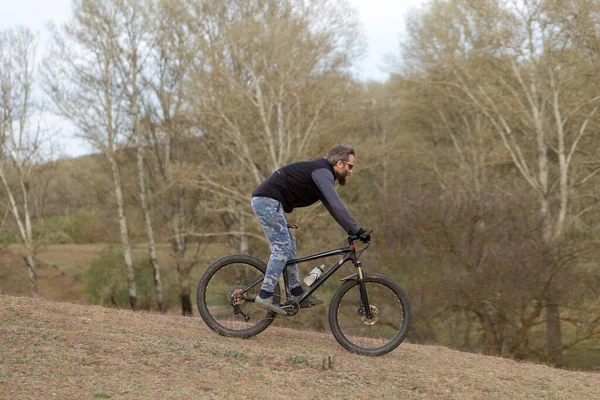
(225, 295)
(367, 333)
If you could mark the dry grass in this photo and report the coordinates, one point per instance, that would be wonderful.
(61, 267)
(68, 351)
(59, 270)
(66, 256)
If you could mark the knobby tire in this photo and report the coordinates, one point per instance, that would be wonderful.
(210, 316)
(394, 316)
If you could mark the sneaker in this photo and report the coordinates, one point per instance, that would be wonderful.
(309, 301)
(268, 304)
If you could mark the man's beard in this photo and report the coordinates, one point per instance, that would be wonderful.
(341, 178)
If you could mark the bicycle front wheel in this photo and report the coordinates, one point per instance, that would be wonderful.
(370, 336)
(225, 296)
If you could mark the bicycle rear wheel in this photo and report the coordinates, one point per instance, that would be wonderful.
(225, 296)
(391, 316)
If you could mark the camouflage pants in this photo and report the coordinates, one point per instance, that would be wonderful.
(271, 216)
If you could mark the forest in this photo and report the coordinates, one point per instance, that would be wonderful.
(476, 162)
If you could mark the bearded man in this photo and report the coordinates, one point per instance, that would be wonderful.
(300, 184)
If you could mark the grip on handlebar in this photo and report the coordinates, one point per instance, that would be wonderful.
(352, 238)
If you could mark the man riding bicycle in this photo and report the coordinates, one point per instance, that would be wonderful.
(299, 184)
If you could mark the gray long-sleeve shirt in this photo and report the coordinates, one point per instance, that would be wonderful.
(325, 182)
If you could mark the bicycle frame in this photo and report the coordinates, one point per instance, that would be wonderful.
(348, 253)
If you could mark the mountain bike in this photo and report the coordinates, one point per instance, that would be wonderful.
(369, 314)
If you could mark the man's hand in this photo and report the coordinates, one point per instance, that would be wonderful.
(364, 235)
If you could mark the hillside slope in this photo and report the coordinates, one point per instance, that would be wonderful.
(68, 351)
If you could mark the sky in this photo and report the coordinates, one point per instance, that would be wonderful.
(382, 22)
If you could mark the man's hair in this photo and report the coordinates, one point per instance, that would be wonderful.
(339, 152)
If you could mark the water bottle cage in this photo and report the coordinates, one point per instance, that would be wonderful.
(314, 275)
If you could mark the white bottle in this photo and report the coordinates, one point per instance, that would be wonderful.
(314, 275)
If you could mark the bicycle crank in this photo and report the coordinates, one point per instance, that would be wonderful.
(291, 307)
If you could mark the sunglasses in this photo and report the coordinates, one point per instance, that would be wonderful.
(350, 165)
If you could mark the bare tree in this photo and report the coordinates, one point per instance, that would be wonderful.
(22, 137)
(270, 79)
(526, 76)
(167, 128)
(82, 78)
(134, 52)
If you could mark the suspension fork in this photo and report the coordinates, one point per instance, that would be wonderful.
(363, 290)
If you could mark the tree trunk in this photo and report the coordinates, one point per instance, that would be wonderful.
(182, 279)
(554, 334)
(553, 329)
(178, 238)
(29, 241)
(31, 265)
(468, 330)
(244, 245)
(25, 230)
(186, 303)
(124, 232)
(553, 326)
(235, 222)
(149, 228)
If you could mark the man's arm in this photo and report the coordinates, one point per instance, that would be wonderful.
(324, 180)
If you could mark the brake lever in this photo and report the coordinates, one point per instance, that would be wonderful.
(353, 238)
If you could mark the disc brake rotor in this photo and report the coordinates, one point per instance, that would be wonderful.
(236, 296)
(370, 321)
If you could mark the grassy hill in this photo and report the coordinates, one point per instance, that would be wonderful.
(70, 351)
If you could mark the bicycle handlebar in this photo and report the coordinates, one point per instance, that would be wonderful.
(352, 238)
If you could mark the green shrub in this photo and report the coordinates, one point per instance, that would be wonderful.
(106, 283)
(6, 238)
(105, 279)
(85, 228)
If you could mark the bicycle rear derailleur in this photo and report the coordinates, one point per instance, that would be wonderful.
(237, 299)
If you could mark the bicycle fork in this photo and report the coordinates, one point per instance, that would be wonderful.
(363, 290)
